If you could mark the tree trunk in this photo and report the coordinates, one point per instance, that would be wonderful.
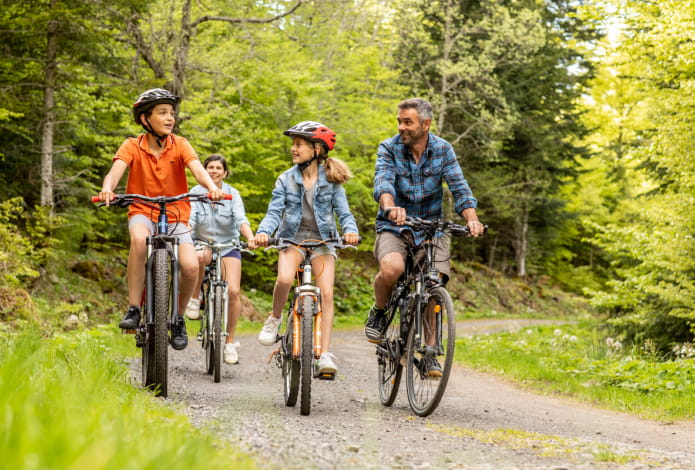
(181, 58)
(50, 74)
(521, 244)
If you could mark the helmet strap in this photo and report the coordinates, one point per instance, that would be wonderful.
(306, 164)
(303, 166)
(159, 138)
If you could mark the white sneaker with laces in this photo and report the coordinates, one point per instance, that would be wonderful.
(326, 364)
(193, 309)
(231, 353)
(269, 333)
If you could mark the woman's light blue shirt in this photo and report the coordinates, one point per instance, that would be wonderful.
(218, 222)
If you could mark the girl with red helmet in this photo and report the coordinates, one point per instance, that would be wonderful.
(306, 200)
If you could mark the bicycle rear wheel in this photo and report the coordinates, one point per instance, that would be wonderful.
(388, 354)
(156, 348)
(307, 353)
(290, 365)
(218, 309)
(425, 381)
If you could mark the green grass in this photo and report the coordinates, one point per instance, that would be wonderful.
(575, 360)
(66, 402)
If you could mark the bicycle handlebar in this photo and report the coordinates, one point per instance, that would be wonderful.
(280, 243)
(237, 244)
(438, 224)
(123, 200)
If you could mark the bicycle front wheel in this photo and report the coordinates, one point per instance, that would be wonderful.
(388, 354)
(218, 309)
(157, 346)
(307, 353)
(290, 366)
(431, 353)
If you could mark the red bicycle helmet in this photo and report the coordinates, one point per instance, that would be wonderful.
(314, 132)
(148, 99)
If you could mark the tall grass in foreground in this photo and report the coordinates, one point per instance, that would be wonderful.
(66, 403)
(576, 360)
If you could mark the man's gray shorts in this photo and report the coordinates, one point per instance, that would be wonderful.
(389, 242)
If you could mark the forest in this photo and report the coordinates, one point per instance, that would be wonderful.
(573, 121)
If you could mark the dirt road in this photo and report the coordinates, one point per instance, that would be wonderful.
(483, 422)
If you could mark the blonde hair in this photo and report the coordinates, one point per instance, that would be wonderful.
(337, 171)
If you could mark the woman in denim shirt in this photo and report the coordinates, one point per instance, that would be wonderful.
(221, 223)
(306, 200)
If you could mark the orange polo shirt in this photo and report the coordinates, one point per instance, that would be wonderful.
(163, 176)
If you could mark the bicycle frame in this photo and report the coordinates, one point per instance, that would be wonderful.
(162, 240)
(306, 288)
(424, 330)
(159, 300)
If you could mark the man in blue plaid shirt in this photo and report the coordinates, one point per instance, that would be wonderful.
(410, 169)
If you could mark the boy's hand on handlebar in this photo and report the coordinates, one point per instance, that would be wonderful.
(106, 196)
(351, 238)
(261, 239)
(216, 194)
(251, 243)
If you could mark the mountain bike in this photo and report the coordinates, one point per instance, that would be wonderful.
(300, 345)
(159, 305)
(420, 327)
(213, 326)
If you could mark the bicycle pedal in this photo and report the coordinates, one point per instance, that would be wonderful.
(129, 332)
(327, 376)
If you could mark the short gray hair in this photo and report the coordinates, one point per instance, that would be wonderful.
(423, 107)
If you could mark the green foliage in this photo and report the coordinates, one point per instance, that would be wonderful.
(498, 74)
(74, 408)
(579, 360)
(26, 247)
(641, 179)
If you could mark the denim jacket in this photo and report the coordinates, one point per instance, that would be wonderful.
(284, 212)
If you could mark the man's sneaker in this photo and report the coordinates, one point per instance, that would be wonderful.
(179, 338)
(131, 320)
(231, 353)
(375, 324)
(326, 366)
(431, 367)
(269, 333)
(193, 309)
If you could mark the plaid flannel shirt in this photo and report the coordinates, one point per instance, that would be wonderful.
(417, 187)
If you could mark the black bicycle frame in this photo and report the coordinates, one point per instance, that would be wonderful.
(162, 240)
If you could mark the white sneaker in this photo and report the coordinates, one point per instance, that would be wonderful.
(269, 333)
(231, 353)
(326, 364)
(193, 309)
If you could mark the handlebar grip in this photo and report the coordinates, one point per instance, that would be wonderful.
(227, 197)
(95, 198)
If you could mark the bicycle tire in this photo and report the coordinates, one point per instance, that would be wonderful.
(388, 354)
(425, 392)
(218, 311)
(160, 330)
(307, 353)
(290, 366)
(206, 329)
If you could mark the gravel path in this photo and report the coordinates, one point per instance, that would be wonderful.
(482, 423)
